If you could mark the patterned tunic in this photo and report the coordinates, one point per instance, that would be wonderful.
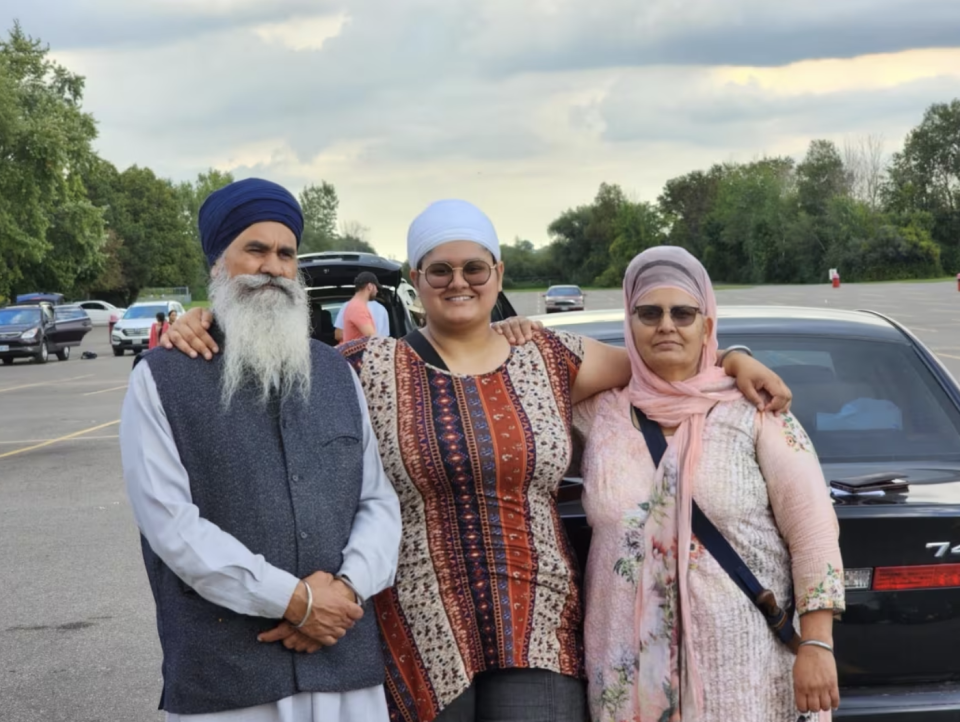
(761, 485)
(486, 578)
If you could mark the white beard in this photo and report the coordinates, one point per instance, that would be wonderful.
(266, 322)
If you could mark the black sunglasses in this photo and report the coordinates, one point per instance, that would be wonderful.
(440, 274)
(653, 315)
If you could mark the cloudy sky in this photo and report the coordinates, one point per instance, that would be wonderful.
(522, 106)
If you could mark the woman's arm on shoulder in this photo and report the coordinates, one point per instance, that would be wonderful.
(602, 367)
(803, 511)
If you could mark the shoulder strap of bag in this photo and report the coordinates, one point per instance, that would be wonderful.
(425, 350)
(726, 556)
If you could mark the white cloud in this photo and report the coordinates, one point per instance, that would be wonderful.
(523, 107)
(303, 33)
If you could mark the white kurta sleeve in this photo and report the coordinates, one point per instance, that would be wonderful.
(214, 563)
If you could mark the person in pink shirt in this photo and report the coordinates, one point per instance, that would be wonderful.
(157, 330)
(667, 630)
(357, 319)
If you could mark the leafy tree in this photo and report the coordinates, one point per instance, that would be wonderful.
(583, 236)
(639, 226)
(319, 204)
(747, 226)
(158, 247)
(49, 233)
(820, 177)
(525, 265)
(192, 196)
(925, 176)
(686, 204)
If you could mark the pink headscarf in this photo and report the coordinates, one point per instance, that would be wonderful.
(681, 404)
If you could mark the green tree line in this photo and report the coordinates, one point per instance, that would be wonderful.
(775, 220)
(71, 222)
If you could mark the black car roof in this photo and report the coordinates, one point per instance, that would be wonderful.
(766, 320)
(340, 268)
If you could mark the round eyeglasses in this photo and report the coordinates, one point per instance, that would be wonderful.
(440, 273)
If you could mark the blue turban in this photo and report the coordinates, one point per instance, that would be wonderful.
(228, 212)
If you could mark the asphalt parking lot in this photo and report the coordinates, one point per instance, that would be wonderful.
(77, 635)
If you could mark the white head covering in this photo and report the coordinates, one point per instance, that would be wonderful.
(446, 221)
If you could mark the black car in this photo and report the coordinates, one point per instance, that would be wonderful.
(330, 282)
(37, 330)
(873, 399)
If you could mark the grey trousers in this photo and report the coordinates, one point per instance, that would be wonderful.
(520, 695)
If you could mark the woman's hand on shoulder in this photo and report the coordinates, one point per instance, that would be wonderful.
(518, 330)
(189, 334)
(815, 680)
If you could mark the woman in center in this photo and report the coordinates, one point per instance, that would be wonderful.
(668, 633)
(485, 622)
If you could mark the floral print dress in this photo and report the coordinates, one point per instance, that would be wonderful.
(760, 483)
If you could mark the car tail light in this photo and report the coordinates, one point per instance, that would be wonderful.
(928, 576)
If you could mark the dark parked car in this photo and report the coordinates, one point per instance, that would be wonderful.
(873, 399)
(564, 298)
(36, 331)
(330, 282)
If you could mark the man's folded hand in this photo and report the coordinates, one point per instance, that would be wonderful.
(334, 610)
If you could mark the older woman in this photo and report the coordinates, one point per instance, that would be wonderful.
(485, 620)
(667, 630)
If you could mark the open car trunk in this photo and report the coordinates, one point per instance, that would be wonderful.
(330, 282)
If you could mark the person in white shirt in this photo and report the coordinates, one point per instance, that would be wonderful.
(267, 521)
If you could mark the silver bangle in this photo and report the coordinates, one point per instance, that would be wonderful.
(349, 585)
(309, 604)
(816, 643)
(739, 349)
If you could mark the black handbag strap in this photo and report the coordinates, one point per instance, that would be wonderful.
(425, 350)
(726, 556)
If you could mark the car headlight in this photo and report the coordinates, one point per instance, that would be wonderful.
(30, 334)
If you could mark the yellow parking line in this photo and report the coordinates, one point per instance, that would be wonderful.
(45, 383)
(62, 438)
(40, 441)
(103, 391)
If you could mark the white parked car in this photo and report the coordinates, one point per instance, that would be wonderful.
(100, 311)
(132, 331)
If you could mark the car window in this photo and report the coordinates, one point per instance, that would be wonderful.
(19, 316)
(862, 400)
(144, 312)
(564, 291)
(67, 313)
(92, 305)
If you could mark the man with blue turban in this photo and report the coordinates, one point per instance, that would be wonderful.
(266, 517)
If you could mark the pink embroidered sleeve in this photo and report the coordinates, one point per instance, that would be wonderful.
(803, 510)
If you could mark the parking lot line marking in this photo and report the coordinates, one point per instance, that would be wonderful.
(925, 330)
(45, 383)
(40, 441)
(948, 355)
(62, 438)
(103, 391)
